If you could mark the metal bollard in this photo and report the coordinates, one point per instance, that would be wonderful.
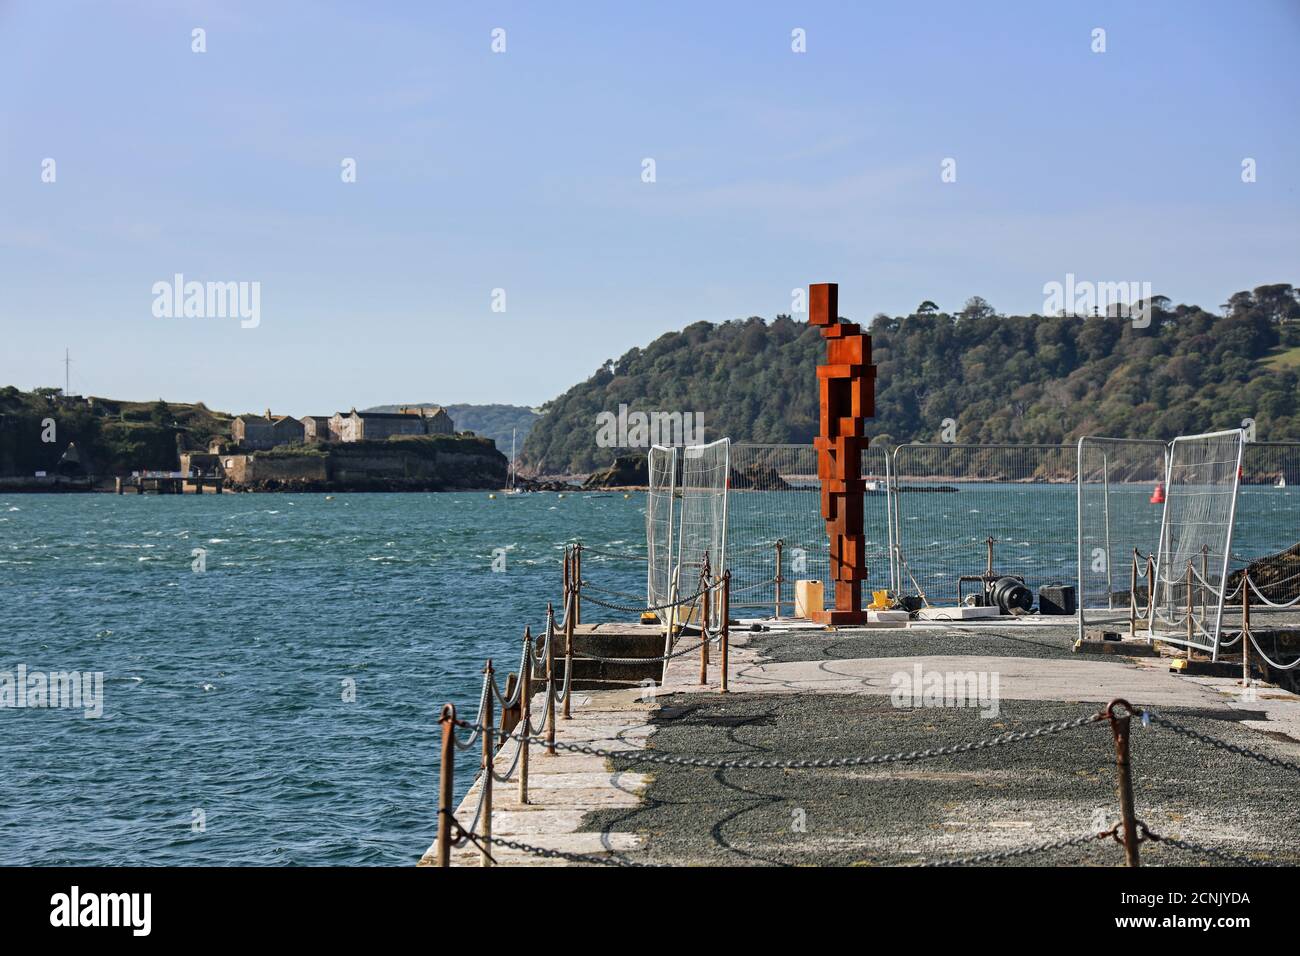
(1120, 728)
(1133, 597)
(1205, 576)
(550, 687)
(568, 655)
(726, 623)
(706, 599)
(1151, 599)
(525, 702)
(489, 733)
(780, 546)
(446, 772)
(577, 583)
(567, 572)
(1245, 629)
(1190, 609)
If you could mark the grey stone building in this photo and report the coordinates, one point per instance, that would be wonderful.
(315, 428)
(265, 431)
(379, 426)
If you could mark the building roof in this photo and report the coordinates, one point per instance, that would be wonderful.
(400, 415)
(268, 417)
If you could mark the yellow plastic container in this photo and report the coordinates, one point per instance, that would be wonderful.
(808, 599)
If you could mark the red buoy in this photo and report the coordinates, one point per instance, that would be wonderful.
(1158, 496)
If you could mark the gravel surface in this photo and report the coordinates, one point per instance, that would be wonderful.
(1004, 798)
(1042, 641)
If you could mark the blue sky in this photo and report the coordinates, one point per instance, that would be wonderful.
(522, 171)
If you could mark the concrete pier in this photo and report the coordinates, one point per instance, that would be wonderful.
(565, 787)
(799, 692)
(168, 484)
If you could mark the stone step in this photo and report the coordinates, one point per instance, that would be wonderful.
(627, 641)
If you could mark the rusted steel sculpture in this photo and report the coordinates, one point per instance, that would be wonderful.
(847, 384)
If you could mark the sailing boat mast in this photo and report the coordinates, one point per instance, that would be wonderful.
(510, 476)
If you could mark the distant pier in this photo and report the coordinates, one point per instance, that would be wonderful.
(169, 484)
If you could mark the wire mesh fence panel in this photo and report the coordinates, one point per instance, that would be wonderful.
(702, 525)
(1266, 540)
(1196, 538)
(1120, 492)
(660, 500)
(775, 498)
(950, 499)
(1268, 502)
(877, 523)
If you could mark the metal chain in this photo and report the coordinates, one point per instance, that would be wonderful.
(1250, 632)
(1291, 603)
(514, 764)
(563, 693)
(482, 703)
(681, 602)
(564, 855)
(1223, 855)
(1216, 742)
(644, 660)
(463, 836)
(749, 587)
(824, 763)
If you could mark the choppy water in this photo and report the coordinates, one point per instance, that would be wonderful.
(225, 689)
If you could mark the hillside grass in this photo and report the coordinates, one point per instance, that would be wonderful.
(1282, 358)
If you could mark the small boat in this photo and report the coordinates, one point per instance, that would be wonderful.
(1281, 482)
(511, 488)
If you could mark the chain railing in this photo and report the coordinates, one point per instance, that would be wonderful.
(517, 725)
(1194, 583)
(1130, 832)
(517, 699)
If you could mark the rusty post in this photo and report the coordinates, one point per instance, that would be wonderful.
(1151, 597)
(525, 713)
(577, 584)
(1205, 576)
(446, 771)
(1245, 628)
(489, 733)
(567, 550)
(568, 656)
(550, 683)
(705, 598)
(726, 623)
(1128, 818)
(1133, 597)
(1190, 608)
(780, 548)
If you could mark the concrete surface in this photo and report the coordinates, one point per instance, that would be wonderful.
(810, 693)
